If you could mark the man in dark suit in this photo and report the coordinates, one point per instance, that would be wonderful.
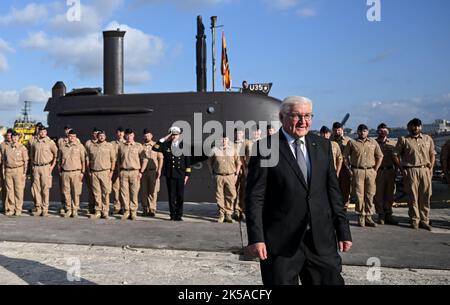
(295, 217)
(176, 169)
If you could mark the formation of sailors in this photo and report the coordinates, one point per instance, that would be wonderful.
(365, 167)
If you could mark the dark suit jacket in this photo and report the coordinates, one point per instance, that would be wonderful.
(280, 203)
(173, 166)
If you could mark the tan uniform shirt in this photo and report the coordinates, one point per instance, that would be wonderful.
(15, 155)
(342, 141)
(224, 161)
(337, 154)
(415, 151)
(71, 157)
(2, 152)
(243, 149)
(64, 140)
(3, 146)
(154, 158)
(116, 144)
(363, 153)
(131, 155)
(32, 140)
(388, 151)
(100, 156)
(89, 143)
(43, 151)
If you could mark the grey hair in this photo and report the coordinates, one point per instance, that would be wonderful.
(289, 102)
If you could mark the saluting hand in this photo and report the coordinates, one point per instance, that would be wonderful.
(168, 136)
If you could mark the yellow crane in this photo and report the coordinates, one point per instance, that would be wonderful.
(25, 126)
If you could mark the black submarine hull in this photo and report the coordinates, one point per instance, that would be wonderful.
(157, 112)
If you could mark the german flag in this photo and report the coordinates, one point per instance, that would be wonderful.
(225, 69)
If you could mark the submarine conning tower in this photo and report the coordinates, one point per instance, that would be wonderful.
(113, 68)
(59, 89)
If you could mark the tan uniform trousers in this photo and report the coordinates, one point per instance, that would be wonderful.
(116, 191)
(239, 205)
(345, 185)
(417, 186)
(149, 190)
(364, 186)
(15, 186)
(225, 193)
(129, 190)
(384, 197)
(40, 189)
(71, 188)
(101, 188)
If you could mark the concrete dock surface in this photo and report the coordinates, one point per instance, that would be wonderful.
(198, 250)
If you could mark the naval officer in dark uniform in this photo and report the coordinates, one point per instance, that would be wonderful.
(176, 169)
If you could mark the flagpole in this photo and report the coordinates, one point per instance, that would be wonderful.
(214, 26)
(213, 34)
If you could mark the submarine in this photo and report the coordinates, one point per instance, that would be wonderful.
(86, 108)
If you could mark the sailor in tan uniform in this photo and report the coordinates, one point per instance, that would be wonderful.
(363, 157)
(345, 173)
(91, 201)
(62, 142)
(150, 182)
(43, 156)
(384, 197)
(224, 166)
(338, 158)
(132, 162)
(8, 140)
(15, 162)
(243, 149)
(71, 165)
(101, 160)
(415, 155)
(120, 139)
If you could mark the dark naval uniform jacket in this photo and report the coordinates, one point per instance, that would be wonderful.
(174, 166)
(175, 169)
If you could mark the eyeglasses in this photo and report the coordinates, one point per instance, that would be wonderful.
(298, 117)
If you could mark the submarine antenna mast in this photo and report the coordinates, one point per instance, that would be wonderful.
(214, 26)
